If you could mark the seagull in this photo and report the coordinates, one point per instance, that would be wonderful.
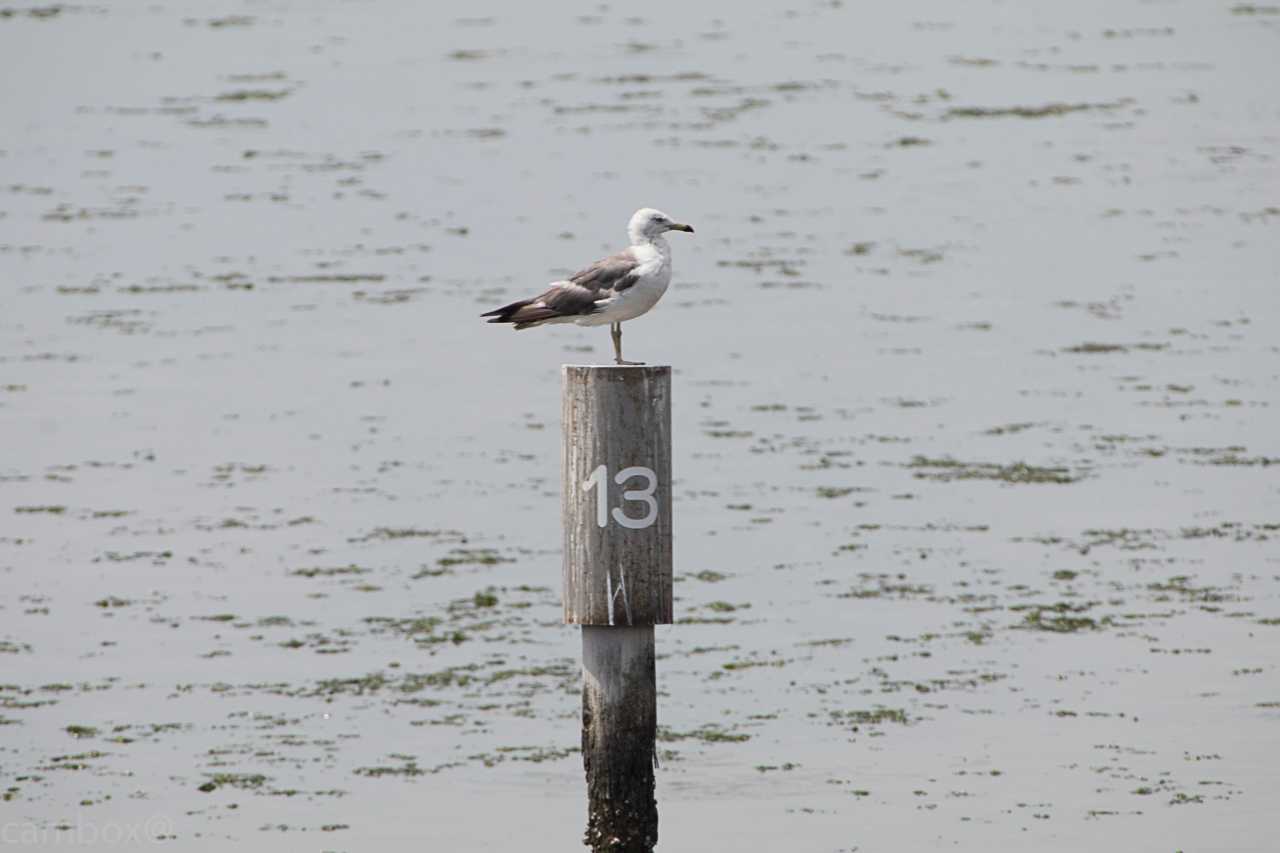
(613, 289)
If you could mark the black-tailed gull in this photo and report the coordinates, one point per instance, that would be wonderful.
(613, 289)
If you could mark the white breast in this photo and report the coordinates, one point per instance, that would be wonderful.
(652, 277)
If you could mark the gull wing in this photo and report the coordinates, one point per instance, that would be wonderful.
(616, 273)
(576, 296)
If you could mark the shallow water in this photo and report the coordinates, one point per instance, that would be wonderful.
(976, 442)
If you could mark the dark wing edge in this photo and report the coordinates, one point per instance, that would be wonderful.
(574, 297)
(562, 299)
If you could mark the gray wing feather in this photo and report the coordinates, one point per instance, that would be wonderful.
(569, 298)
(616, 273)
(578, 293)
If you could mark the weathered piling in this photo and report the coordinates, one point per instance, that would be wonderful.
(617, 584)
(619, 729)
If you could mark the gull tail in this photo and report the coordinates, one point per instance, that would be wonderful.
(524, 313)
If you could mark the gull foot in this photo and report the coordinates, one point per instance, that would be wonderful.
(622, 363)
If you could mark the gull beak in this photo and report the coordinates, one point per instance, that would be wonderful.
(677, 226)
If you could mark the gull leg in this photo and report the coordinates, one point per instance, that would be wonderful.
(615, 329)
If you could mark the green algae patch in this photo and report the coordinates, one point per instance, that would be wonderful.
(884, 585)
(330, 278)
(835, 491)
(1009, 429)
(706, 734)
(1095, 348)
(412, 627)
(407, 768)
(328, 572)
(472, 557)
(241, 781)
(228, 21)
(1236, 459)
(737, 665)
(1051, 110)
(946, 469)
(725, 607)
(254, 95)
(37, 12)
(565, 672)
(1060, 618)
(873, 717)
(705, 620)
(376, 682)
(536, 754)
(389, 533)
(1180, 585)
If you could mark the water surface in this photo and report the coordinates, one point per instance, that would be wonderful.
(975, 374)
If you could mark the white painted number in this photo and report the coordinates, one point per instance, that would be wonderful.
(645, 494)
(600, 477)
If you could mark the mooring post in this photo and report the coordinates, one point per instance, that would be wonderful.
(616, 500)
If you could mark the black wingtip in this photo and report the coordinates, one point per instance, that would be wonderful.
(503, 314)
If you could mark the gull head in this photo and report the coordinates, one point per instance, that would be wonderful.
(647, 223)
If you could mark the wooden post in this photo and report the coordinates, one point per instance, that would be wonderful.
(617, 585)
(619, 730)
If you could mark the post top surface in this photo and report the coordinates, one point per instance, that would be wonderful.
(615, 374)
(615, 366)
